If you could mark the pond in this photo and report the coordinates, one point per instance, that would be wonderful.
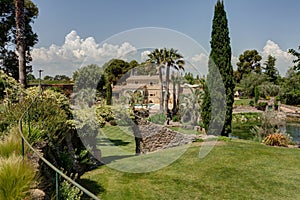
(293, 129)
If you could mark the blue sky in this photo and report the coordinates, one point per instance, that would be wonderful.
(66, 26)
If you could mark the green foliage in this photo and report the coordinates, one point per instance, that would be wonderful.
(249, 62)
(270, 69)
(10, 87)
(8, 38)
(69, 192)
(206, 109)
(104, 113)
(251, 103)
(220, 58)
(297, 60)
(269, 89)
(225, 139)
(262, 106)
(175, 118)
(189, 78)
(256, 95)
(249, 82)
(116, 69)
(89, 77)
(16, 178)
(159, 118)
(291, 88)
(11, 144)
(270, 125)
(276, 139)
(108, 94)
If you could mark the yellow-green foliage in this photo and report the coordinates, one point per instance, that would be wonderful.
(276, 139)
(11, 144)
(16, 178)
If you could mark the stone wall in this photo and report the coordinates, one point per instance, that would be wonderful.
(153, 137)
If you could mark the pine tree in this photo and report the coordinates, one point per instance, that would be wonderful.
(221, 90)
(270, 69)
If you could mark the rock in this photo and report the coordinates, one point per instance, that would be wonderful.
(37, 194)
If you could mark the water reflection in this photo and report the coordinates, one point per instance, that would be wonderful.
(294, 130)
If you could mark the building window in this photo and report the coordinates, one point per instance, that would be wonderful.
(151, 83)
(152, 95)
(136, 82)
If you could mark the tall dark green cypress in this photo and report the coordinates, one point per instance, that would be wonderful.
(219, 63)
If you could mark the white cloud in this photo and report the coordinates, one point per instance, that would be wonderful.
(144, 55)
(199, 62)
(75, 52)
(283, 58)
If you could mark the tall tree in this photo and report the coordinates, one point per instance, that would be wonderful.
(219, 60)
(20, 29)
(249, 62)
(270, 69)
(165, 58)
(8, 35)
(174, 60)
(297, 60)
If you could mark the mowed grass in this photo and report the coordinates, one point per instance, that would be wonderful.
(242, 102)
(232, 170)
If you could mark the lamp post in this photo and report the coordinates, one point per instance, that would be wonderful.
(40, 76)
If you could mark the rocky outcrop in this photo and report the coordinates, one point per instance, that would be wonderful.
(153, 137)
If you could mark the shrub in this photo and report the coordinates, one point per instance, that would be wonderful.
(104, 113)
(251, 103)
(276, 139)
(175, 118)
(223, 138)
(69, 192)
(262, 106)
(16, 178)
(11, 144)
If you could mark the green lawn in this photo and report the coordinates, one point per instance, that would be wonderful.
(242, 102)
(237, 169)
(184, 131)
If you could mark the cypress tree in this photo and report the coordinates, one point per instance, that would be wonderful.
(221, 91)
(108, 93)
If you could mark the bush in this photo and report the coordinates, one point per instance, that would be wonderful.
(104, 113)
(251, 103)
(262, 106)
(69, 192)
(16, 177)
(175, 118)
(11, 144)
(276, 139)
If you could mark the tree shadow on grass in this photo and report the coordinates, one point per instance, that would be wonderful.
(92, 186)
(111, 142)
(108, 159)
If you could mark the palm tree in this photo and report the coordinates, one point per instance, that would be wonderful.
(166, 58)
(297, 60)
(190, 110)
(20, 28)
(156, 57)
(176, 81)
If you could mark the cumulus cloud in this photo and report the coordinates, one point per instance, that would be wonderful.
(75, 51)
(283, 58)
(144, 55)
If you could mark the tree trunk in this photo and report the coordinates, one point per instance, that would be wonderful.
(174, 109)
(167, 88)
(161, 100)
(20, 29)
(177, 92)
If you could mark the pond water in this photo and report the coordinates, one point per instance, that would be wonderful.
(294, 130)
